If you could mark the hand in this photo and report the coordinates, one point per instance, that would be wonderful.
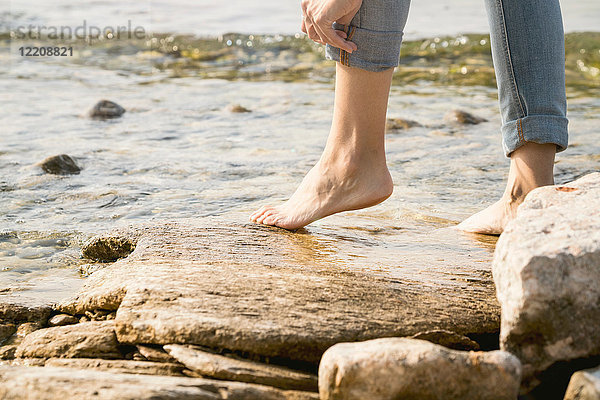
(319, 16)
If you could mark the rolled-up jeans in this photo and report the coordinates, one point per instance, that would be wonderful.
(527, 41)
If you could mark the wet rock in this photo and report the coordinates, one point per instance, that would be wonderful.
(236, 108)
(584, 385)
(61, 164)
(85, 340)
(547, 277)
(248, 288)
(154, 354)
(447, 339)
(7, 352)
(393, 124)
(62, 319)
(108, 249)
(402, 368)
(6, 331)
(53, 383)
(459, 117)
(88, 269)
(106, 109)
(118, 366)
(16, 313)
(221, 367)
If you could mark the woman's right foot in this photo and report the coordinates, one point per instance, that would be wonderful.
(329, 188)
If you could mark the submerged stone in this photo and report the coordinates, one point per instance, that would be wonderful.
(236, 108)
(547, 273)
(54, 383)
(106, 109)
(460, 117)
(400, 124)
(402, 368)
(263, 291)
(61, 164)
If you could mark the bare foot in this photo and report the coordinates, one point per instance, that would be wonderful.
(492, 220)
(329, 188)
(531, 166)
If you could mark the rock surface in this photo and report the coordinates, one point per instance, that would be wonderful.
(265, 291)
(402, 368)
(106, 109)
(154, 354)
(108, 248)
(447, 339)
(16, 313)
(62, 319)
(221, 367)
(61, 164)
(584, 385)
(547, 273)
(52, 383)
(87, 340)
(118, 366)
(6, 331)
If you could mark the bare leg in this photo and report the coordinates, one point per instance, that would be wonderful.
(531, 166)
(352, 171)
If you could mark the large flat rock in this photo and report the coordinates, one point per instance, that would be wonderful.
(547, 271)
(53, 383)
(266, 291)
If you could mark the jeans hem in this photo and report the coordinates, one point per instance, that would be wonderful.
(377, 50)
(540, 129)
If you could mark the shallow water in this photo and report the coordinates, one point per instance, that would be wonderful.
(179, 152)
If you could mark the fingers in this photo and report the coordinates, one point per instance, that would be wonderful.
(329, 35)
(323, 34)
(311, 31)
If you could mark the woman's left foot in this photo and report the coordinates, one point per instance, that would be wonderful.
(493, 219)
(531, 166)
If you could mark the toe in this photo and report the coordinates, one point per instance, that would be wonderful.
(266, 214)
(256, 214)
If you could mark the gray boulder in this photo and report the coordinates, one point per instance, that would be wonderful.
(547, 273)
(403, 368)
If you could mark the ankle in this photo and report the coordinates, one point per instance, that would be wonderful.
(531, 166)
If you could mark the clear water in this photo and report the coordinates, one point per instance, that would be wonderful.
(179, 152)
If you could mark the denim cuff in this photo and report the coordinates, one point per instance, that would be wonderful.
(377, 50)
(537, 129)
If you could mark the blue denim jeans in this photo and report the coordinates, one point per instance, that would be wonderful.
(528, 51)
